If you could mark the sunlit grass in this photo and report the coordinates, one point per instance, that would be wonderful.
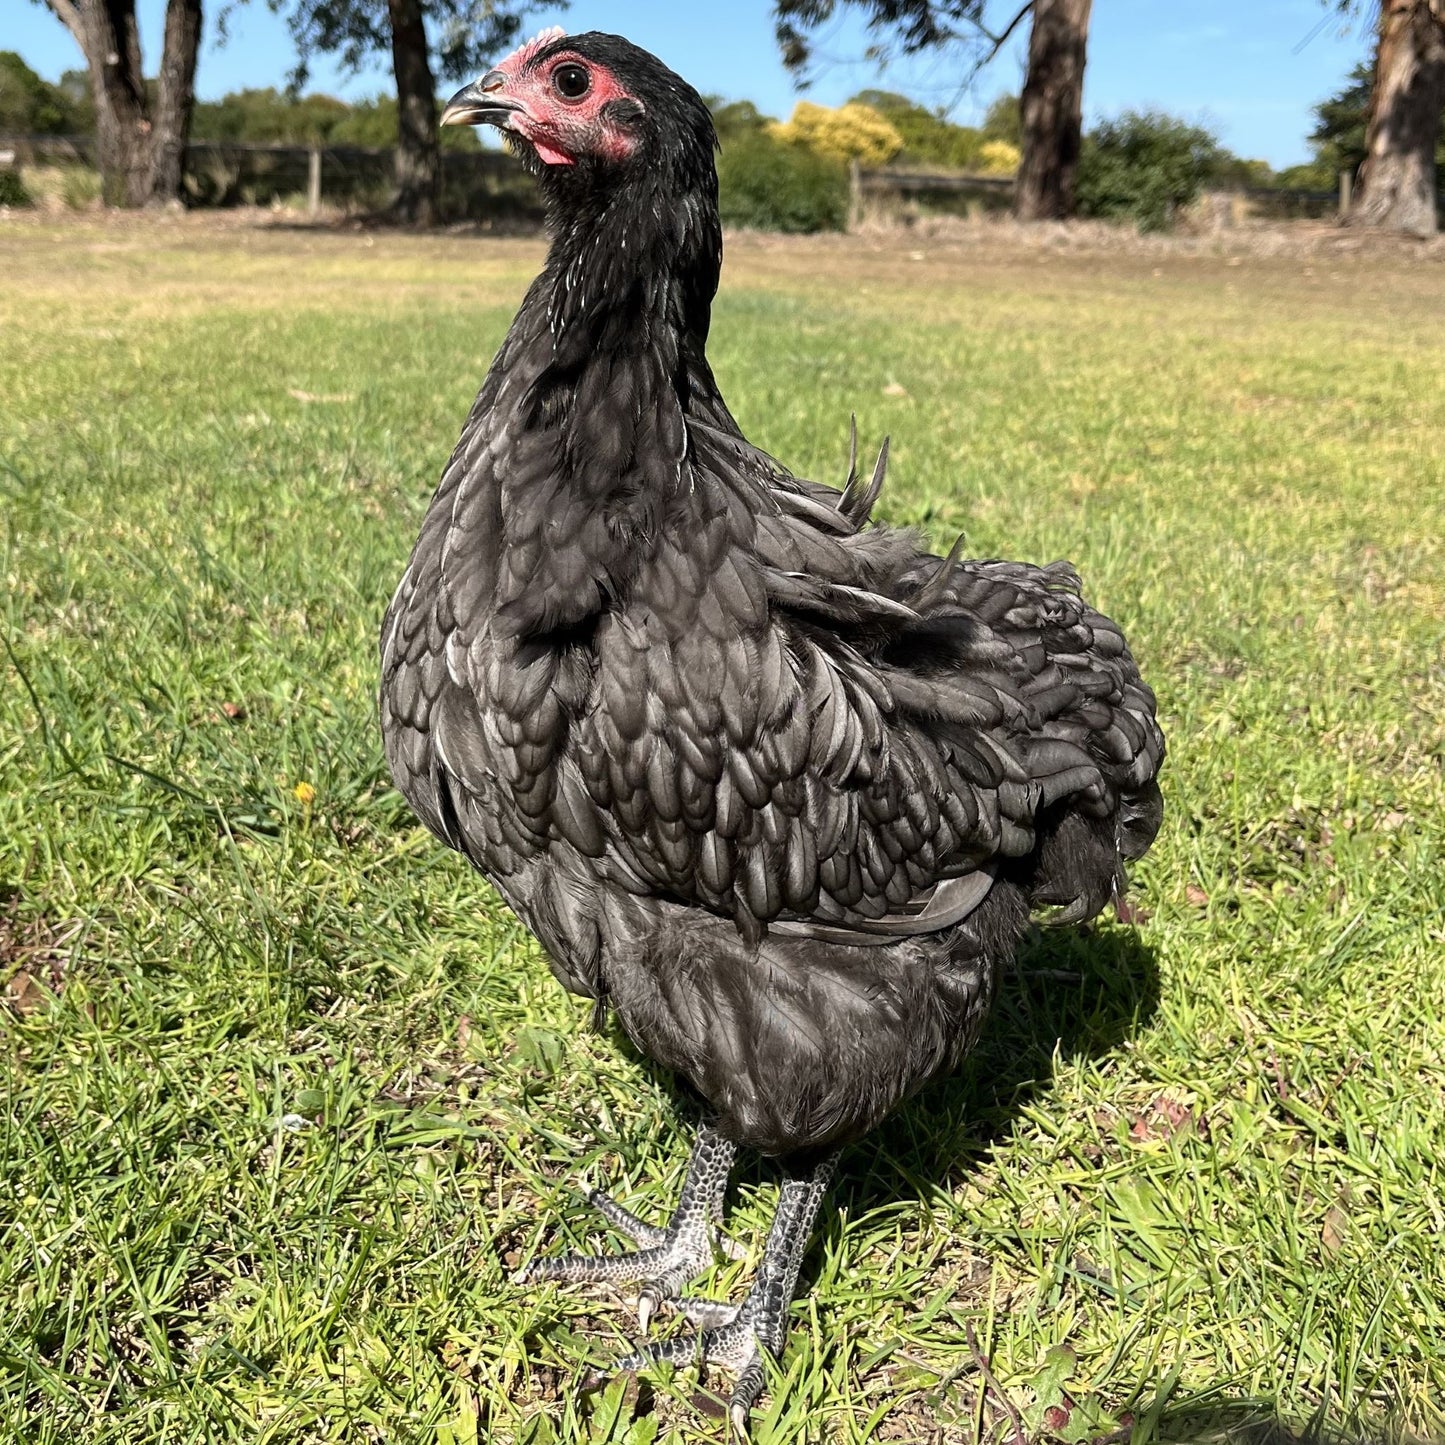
(289, 1093)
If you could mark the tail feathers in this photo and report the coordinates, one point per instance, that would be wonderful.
(1140, 814)
(856, 502)
(1075, 866)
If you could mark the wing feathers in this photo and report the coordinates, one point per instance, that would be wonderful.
(792, 716)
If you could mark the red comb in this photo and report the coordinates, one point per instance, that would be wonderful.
(525, 54)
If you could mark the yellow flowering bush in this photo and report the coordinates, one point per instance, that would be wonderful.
(997, 158)
(852, 132)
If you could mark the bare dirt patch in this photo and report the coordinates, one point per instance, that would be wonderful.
(33, 954)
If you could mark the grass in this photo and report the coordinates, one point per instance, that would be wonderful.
(288, 1092)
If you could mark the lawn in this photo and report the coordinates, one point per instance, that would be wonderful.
(289, 1093)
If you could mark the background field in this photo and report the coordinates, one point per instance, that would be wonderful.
(288, 1093)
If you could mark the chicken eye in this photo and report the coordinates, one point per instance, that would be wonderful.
(572, 82)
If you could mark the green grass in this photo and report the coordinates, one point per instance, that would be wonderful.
(288, 1092)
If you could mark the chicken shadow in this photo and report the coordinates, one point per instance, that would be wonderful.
(1073, 993)
(1255, 1422)
(1079, 992)
(1070, 993)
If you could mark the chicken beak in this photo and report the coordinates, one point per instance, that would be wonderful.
(481, 103)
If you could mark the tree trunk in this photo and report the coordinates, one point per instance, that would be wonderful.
(111, 43)
(175, 100)
(418, 163)
(139, 156)
(1051, 110)
(1397, 180)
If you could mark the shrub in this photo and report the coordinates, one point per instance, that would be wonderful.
(12, 189)
(1311, 176)
(737, 119)
(270, 117)
(928, 139)
(1003, 120)
(997, 158)
(853, 132)
(28, 104)
(1144, 166)
(772, 186)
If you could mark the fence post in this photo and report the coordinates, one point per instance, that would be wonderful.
(855, 194)
(1347, 184)
(313, 181)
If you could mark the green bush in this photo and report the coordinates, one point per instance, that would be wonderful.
(772, 186)
(1313, 175)
(928, 139)
(28, 104)
(12, 189)
(274, 117)
(1004, 120)
(1144, 166)
(736, 119)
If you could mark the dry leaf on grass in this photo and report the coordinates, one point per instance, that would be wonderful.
(1164, 1118)
(25, 994)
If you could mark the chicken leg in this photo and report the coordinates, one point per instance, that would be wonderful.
(667, 1258)
(736, 1336)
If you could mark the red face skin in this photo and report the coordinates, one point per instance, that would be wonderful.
(560, 126)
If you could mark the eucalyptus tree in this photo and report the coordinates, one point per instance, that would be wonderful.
(453, 39)
(140, 128)
(1051, 107)
(1398, 181)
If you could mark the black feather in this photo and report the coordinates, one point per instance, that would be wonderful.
(776, 781)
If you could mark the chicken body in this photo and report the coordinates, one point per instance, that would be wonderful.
(770, 780)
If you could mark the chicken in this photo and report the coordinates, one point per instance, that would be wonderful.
(767, 779)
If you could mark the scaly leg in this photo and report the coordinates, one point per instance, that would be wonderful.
(736, 1336)
(667, 1259)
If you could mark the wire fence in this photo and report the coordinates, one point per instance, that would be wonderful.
(489, 186)
(492, 187)
(888, 189)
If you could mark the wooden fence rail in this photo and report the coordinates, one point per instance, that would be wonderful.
(478, 185)
(492, 186)
(994, 193)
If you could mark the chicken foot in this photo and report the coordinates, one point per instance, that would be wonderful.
(667, 1258)
(736, 1336)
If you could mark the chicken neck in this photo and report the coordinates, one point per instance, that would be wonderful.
(611, 343)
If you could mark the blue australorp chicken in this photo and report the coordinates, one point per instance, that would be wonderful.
(769, 779)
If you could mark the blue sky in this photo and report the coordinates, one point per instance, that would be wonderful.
(1251, 69)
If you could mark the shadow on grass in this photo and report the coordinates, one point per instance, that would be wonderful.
(1081, 991)
(1073, 992)
(1254, 1422)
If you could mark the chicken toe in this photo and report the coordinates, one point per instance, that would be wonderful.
(667, 1257)
(739, 1337)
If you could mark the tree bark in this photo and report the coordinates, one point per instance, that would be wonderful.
(140, 155)
(1051, 110)
(1397, 183)
(175, 101)
(418, 161)
(122, 132)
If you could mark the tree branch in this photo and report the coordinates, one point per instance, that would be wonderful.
(1001, 39)
(997, 43)
(69, 16)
